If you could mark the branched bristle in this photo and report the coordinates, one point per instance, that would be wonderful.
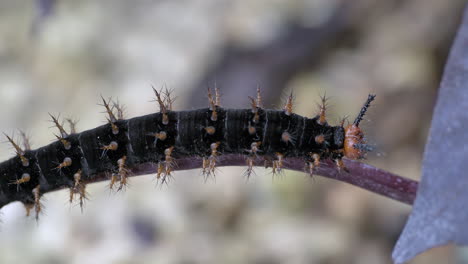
(19, 151)
(253, 103)
(165, 101)
(250, 168)
(257, 101)
(214, 103)
(26, 141)
(72, 123)
(211, 99)
(78, 188)
(111, 119)
(159, 99)
(259, 98)
(123, 172)
(217, 96)
(26, 177)
(109, 112)
(120, 109)
(364, 108)
(166, 167)
(277, 165)
(63, 133)
(288, 107)
(322, 109)
(37, 200)
(168, 98)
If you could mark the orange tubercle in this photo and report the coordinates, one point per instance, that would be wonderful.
(353, 136)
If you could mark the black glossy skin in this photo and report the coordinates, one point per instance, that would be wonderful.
(185, 131)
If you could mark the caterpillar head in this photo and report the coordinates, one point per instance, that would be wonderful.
(355, 146)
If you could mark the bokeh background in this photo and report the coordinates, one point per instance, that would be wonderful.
(60, 56)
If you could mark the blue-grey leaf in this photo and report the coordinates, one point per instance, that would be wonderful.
(440, 212)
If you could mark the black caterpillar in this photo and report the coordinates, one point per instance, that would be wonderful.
(75, 159)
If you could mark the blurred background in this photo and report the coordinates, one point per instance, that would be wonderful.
(60, 56)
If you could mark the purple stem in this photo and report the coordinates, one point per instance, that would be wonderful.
(360, 174)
